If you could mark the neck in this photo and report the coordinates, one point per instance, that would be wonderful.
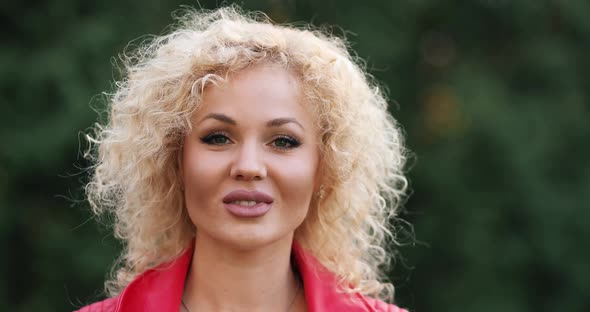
(226, 279)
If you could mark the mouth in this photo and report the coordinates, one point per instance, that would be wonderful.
(247, 204)
(247, 198)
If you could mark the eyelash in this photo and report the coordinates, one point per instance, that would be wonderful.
(210, 140)
(294, 143)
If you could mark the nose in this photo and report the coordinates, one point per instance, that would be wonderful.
(248, 164)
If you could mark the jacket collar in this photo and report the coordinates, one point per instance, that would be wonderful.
(161, 289)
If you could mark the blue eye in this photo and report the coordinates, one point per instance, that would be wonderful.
(285, 142)
(215, 139)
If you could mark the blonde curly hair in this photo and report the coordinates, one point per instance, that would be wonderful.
(136, 175)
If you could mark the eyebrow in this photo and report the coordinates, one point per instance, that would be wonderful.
(281, 121)
(221, 117)
(277, 122)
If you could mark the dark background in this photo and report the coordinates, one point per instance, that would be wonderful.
(493, 96)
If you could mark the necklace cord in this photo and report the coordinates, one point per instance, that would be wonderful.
(288, 307)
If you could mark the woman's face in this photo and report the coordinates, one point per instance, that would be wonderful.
(250, 164)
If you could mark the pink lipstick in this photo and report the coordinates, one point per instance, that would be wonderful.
(247, 204)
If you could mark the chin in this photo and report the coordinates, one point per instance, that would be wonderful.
(250, 237)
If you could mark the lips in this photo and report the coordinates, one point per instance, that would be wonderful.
(247, 204)
(247, 198)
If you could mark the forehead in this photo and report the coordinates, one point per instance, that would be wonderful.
(261, 90)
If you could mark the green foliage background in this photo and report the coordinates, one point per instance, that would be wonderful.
(493, 95)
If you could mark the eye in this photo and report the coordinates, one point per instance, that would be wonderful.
(285, 142)
(216, 138)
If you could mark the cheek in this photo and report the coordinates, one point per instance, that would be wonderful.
(201, 171)
(297, 181)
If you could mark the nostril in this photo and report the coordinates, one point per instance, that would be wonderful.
(248, 177)
(243, 171)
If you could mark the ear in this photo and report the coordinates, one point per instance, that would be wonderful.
(322, 184)
(319, 176)
(180, 165)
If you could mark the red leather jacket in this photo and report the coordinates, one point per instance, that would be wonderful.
(161, 289)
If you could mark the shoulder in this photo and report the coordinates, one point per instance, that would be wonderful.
(107, 305)
(380, 306)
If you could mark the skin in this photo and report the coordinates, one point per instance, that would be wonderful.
(251, 133)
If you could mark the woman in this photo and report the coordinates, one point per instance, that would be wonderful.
(248, 167)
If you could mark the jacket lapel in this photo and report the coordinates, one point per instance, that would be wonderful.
(321, 286)
(158, 289)
(161, 289)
